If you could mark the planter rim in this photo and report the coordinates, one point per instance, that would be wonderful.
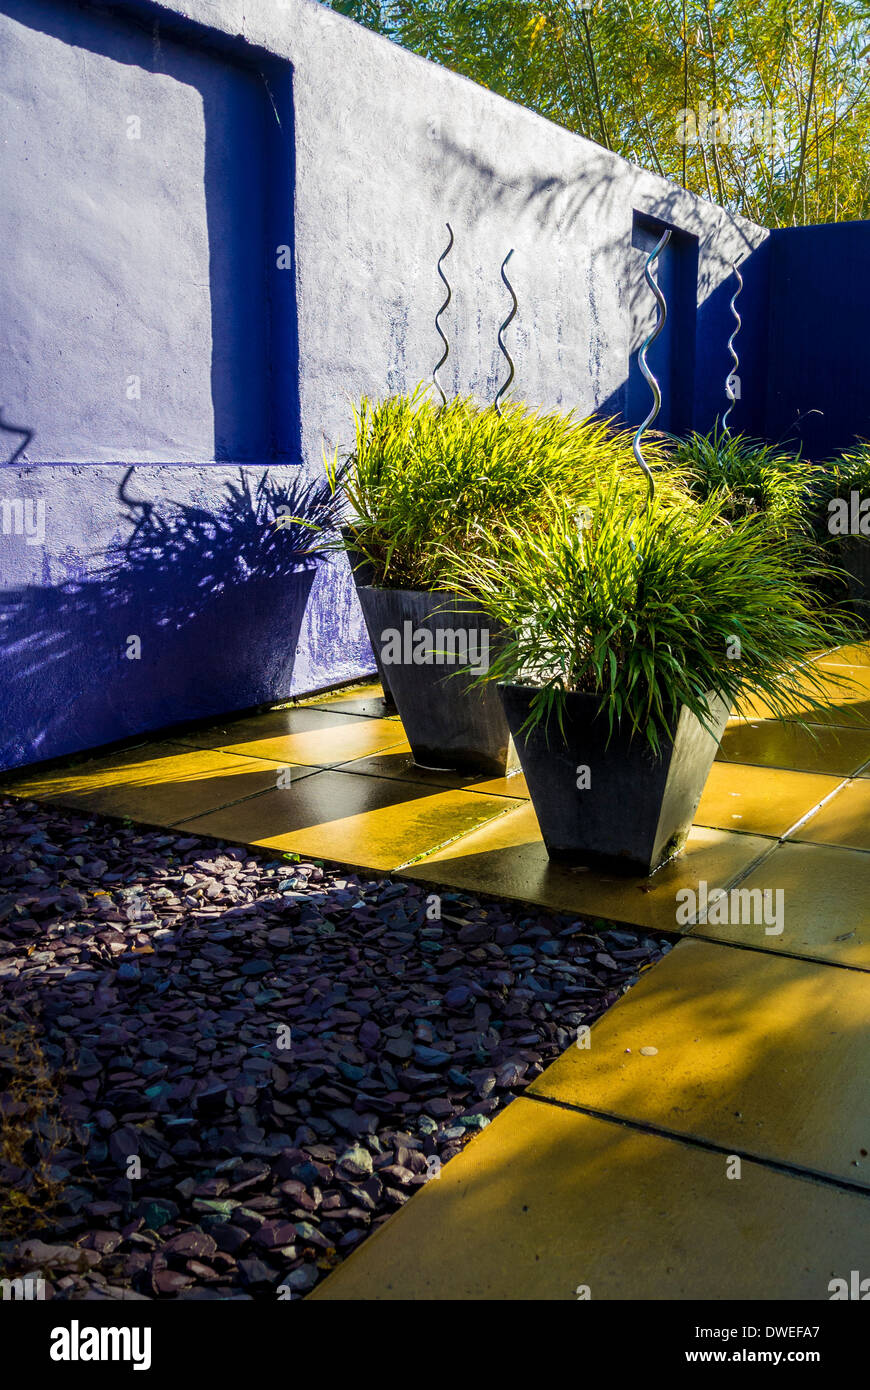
(587, 695)
(383, 589)
(569, 694)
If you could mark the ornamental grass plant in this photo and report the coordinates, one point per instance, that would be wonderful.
(834, 509)
(423, 478)
(652, 609)
(748, 477)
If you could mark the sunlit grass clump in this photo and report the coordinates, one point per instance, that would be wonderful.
(652, 610)
(835, 482)
(422, 476)
(748, 477)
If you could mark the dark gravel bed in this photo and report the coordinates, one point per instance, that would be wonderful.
(258, 1060)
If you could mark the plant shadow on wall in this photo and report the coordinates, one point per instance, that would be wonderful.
(196, 611)
(23, 434)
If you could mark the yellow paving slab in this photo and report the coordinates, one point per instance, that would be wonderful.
(760, 1053)
(545, 1201)
(365, 699)
(315, 737)
(843, 676)
(159, 784)
(825, 902)
(845, 699)
(512, 785)
(508, 858)
(751, 707)
(855, 655)
(764, 800)
(774, 743)
(399, 762)
(370, 822)
(844, 820)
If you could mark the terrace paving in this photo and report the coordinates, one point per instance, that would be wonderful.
(547, 1200)
(616, 1169)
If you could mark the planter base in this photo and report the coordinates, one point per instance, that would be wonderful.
(611, 804)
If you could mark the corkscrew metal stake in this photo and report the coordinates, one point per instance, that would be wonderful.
(661, 319)
(729, 390)
(446, 252)
(504, 386)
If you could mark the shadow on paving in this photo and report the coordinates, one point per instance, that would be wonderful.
(282, 1053)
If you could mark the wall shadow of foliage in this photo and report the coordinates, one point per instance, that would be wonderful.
(215, 597)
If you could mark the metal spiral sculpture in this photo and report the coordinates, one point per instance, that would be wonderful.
(729, 391)
(661, 319)
(446, 252)
(504, 386)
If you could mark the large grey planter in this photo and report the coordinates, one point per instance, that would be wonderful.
(854, 558)
(448, 722)
(363, 574)
(637, 809)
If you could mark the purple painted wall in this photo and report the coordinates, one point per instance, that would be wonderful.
(155, 158)
(145, 321)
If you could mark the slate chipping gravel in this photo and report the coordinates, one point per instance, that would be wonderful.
(158, 969)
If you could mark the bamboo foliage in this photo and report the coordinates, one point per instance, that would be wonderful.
(621, 72)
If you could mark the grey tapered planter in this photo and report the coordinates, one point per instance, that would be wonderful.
(854, 558)
(637, 809)
(448, 722)
(363, 574)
